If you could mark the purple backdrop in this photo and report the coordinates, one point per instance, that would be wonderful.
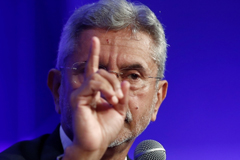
(200, 117)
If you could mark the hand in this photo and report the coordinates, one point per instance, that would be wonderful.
(97, 121)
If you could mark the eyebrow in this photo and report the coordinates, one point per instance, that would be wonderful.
(135, 66)
(100, 65)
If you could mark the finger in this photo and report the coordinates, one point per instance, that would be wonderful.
(123, 102)
(93, 58)
(97, 83)
(113, 80)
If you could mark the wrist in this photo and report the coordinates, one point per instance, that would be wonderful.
(76, 153)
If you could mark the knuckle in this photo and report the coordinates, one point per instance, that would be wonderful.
(112, 75)
(101, 71)
(91, 82)
(104, 86)
(94, 76)
(105, 73)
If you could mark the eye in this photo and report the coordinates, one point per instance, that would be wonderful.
(133, 76)
(78, 68)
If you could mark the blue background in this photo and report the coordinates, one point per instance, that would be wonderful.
(200, 119)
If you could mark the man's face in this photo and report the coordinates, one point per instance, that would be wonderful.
(119, 50)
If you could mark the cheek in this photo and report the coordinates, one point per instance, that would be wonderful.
(74, 81)
(140, 103)
(71, 82)
(68, 84)
(141, 98)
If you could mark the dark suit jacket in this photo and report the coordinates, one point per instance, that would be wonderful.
(46, 147)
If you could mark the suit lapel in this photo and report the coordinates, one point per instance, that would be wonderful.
(52, 147)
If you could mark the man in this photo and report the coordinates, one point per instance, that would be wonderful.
(107, 84)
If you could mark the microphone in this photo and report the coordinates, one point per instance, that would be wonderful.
(149, 150)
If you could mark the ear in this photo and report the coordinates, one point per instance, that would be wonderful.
(54, 82)
(161, 94)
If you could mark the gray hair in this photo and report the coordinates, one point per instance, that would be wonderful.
(114, 15)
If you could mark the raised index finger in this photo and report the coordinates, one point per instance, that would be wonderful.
(93, 57)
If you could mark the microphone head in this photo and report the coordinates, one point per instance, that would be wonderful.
(149, 150)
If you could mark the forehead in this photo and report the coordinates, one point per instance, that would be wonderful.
(123, 37)
(116, 46)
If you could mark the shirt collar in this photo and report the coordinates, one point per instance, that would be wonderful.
(64, 139)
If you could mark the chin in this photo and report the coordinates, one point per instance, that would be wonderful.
(117, 143)
(124, 137)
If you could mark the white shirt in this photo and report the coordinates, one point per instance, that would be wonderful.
(65, 140)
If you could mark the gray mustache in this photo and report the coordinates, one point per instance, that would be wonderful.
(128, 118)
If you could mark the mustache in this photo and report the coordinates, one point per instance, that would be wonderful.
(128, 118)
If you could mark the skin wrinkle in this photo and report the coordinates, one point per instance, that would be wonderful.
(129, 33)
(116, 39)
(116, 58)
(109, 42)
(126, 136)
(118, 141)
(129, 16)
(139, 129)
(104, 40)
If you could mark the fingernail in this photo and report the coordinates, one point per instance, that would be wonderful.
(115, 99)
(119, 93)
